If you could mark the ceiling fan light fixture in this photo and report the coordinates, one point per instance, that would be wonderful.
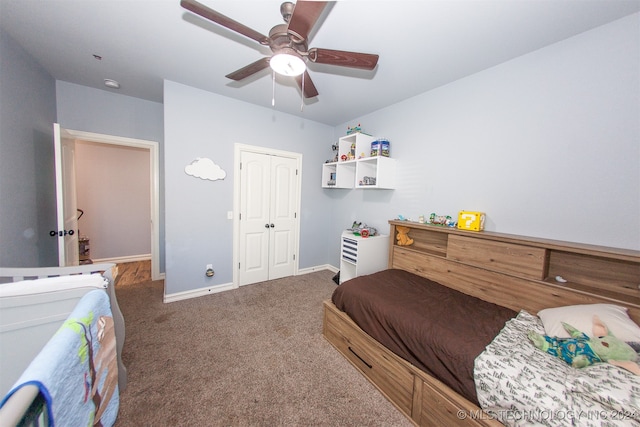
(287, 64)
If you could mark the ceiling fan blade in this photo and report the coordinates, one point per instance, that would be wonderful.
(218, 18)
(309, 88)
(250, 69)
(305, 15)
(343, 58)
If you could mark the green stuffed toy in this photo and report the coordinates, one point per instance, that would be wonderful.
(580, 350)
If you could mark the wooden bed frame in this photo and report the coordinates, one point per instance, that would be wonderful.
(18, 404)
(513, 271)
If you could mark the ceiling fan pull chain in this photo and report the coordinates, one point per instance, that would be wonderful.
(273, 97)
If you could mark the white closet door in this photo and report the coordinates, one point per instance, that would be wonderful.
(268, 217)
(254, 214)
(283, 216)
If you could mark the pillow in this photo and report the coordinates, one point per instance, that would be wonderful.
(581, 318)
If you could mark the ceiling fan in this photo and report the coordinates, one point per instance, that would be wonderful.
(288, 42)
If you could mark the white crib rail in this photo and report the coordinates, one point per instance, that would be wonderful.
(16, 274)
(108, 270)
(14, 410)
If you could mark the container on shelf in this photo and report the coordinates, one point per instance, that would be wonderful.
(380, 147)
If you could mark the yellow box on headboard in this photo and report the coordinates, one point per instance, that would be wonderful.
(473, 221)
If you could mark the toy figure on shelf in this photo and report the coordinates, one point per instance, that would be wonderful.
(444, 220)
(355, 129)
(360, 229)
(403, 236)
(334, 148)
(332, 179)
(368, 180)
(437, 219)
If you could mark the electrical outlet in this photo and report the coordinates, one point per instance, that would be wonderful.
(209, 271)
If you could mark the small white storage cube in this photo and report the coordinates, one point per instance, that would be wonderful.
(346, 174)
(359, 256)
(329, 175)
(362, 145)
(381, 169)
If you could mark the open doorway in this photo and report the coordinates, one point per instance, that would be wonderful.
(119, 146)
(113, 202)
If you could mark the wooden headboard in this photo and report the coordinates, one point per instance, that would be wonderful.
(519, 272)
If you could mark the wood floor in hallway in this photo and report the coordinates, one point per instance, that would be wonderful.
(130, 273)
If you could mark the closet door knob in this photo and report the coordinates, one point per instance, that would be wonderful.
(272, 225)
(266, 226)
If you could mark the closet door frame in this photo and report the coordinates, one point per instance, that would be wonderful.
(238, 149)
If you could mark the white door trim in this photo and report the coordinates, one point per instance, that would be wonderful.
(238, 149)
(154, 179)
(66, 197)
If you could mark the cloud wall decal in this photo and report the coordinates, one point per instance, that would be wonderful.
(204, 168)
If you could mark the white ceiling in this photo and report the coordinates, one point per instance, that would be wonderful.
(422, 45)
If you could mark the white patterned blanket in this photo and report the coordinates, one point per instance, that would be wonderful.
(523, 386)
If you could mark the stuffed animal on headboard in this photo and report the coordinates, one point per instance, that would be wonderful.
(580, 350)
(403, 236)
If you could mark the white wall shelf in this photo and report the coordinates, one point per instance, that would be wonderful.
(360, 170)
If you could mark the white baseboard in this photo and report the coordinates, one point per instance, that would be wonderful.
(194, 293)
(317, 268)
(130, 258)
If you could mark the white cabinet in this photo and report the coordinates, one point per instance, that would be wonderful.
(360, 170)
(360, 255)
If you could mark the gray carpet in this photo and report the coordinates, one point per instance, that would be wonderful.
(254, 356)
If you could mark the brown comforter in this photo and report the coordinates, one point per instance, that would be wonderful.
(435, 328)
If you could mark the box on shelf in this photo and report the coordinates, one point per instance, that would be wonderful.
(473, 221)
(380, 147)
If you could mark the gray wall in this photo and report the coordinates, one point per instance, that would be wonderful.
(547, 144)
(114, 189)
(203, 124)
(27, 189)
(101, 111)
